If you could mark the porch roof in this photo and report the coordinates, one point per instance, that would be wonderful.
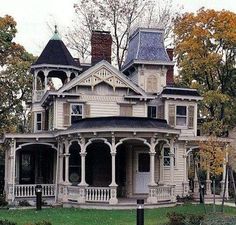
(122, 123)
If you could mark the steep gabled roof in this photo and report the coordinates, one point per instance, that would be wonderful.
(103, 65)
(56, 53)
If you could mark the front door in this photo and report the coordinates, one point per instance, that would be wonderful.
(142, 172)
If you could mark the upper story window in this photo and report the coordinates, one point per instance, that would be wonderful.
(126, 110)
(152, 111)
(166, 156)
(38, 121)
(76, 112)
(181, 115)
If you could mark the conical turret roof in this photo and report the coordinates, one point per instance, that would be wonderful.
(56, 53)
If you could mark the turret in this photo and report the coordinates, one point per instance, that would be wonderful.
(148, 61)
(55, 61)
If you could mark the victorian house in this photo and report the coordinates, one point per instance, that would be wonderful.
(105, 136)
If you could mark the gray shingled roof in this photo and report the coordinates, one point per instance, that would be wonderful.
(56, 53)
(180, 91)
(147, 45)
(120, 122)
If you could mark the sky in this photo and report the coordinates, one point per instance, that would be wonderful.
(33, 17)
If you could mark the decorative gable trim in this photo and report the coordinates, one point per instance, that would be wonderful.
(103, 72)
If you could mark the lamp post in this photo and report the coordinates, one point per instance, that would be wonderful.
(140, 212)
(38, 192)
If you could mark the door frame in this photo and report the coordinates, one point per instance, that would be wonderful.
(135, 168)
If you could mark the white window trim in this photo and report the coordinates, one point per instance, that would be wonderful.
(175, 157)
(82, 105)
(156, 111)
(181, 126)
(36, 122)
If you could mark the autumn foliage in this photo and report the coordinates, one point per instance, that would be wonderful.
(205, 48)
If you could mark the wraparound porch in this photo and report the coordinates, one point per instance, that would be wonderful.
(71, 194)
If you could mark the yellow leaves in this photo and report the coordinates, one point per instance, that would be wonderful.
(212, 154)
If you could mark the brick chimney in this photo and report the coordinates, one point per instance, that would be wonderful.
(170, 70)
(101, 42)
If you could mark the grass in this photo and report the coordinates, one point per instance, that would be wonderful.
(72, 216)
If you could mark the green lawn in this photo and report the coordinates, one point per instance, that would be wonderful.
(74, 216)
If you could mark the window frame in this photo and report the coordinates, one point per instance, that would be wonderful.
(181, 116)
(38, 122)
(168, 157)
(152, 106)
(78, 115)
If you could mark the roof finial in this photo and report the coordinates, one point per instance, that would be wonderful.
(56, 31)
(56, 34)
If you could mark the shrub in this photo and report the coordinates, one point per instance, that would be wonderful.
(180, 219)
(3, 201)
(220, 220)
(6, 222)
(193, 220)
(184, 199)
(24, 203)
(175, 218)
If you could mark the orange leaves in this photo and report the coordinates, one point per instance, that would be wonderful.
(212, 154)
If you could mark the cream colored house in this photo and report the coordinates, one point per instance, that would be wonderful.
(105, 136)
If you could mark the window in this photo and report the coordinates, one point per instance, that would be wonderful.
(152, 111)
(38, 121)
(126, 110)
(166, 156)
(143, 162)
(181, 115)
(76, 113)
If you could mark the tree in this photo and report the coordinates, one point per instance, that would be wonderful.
(15, 81)
(120, 17)
(213, 155)
(205, 45)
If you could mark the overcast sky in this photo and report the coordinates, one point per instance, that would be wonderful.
(32, 17)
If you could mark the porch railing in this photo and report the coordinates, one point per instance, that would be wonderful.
(28, 190)
(97, 194)
(165, 193)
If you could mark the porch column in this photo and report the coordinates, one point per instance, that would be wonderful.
(113, 186)
(11, 179)
(196, 184)
(35, 82)
(185, 177)
(61, 157)
(172, 155)
(82, 185)
(67, 155)
(208, 184)
(45, 80)
(152, 198)
(161, 180)
(83, 155)
(224, 181)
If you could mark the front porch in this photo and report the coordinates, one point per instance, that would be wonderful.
(93, 195)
